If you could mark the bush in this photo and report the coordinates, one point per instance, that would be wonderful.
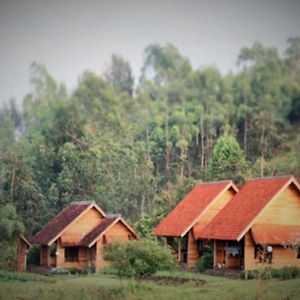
(22, 276)
(66, 271)
(269, 273)
(139, 258)
(33, 256)
(205, 262)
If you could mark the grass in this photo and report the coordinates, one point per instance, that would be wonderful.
(100, 286)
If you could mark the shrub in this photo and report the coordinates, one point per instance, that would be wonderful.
(139, 258)
(22, 276)
(269, 273)
(66, 271)
(205, 262)
(89, 268)
(33, 256)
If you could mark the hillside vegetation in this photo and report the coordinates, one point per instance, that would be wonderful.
(136, 149)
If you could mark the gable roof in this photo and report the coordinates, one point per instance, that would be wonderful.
(276, 234)
(50, 232)
(109, 221)
(191, 207)
(23, 238)
(236, 218)
(98, 231)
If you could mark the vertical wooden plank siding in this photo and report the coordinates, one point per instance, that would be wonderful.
(192, 250)
(284, 210)
(45, 256)
(21, 253)
(282, 257)
(179, 249)
(216, 207)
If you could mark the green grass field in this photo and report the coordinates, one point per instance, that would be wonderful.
(22, 286)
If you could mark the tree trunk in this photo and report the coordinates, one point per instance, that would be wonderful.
(12, 186)
(167, 136)
(246, 127)
(262, 152)
(202, 145)
(143, 200)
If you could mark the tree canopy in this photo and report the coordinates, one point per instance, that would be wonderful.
(138, 148)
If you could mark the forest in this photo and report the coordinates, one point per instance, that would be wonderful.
(137, 145)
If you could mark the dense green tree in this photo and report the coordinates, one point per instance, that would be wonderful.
(228, 161)
(119, 75)
(10, 228)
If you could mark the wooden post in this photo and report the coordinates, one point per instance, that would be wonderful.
(215, 253)
(179, 250)
(226, 254)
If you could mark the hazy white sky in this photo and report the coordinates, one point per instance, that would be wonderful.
(71, 36)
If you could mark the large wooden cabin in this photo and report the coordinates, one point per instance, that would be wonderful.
(192, 213)
(256, 227)
(77, 236)
(259, 227)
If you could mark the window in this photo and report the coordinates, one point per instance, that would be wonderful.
(233, 249)
(71, 254)
(268, 254)
(258, 252)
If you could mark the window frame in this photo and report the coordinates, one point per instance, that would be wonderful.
(71, 254)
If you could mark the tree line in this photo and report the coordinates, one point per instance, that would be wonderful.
(137, 147)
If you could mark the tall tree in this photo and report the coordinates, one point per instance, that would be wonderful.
(119, 75)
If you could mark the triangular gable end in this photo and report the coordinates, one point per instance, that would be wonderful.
(119, 219)
(293, 181)
(92, 205)
(230, 185)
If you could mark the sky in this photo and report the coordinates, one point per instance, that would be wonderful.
(69, 37)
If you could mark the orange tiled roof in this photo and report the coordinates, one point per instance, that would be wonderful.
(275, 234)
(190, 207)
(241, 210)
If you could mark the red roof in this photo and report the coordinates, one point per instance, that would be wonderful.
(58, 223)
(276, 234)
(190, 207)
(242, 209)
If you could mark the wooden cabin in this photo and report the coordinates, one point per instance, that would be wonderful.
(259, 227)
(192, 213)
(22, 247)
(77, 236)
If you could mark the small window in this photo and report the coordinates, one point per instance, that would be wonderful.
(71, 254)
(268, 254)
(258, 252)
(233, 249)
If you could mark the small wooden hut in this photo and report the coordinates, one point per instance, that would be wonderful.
(77, 236)
(22, 247)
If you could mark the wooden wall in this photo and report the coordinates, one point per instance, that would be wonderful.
(118, 232)
(45, 256)
(211, 212)
(216, 207)
(82, 226)
(192, 254)
(282, 257)
(285, 209)
(21, 252)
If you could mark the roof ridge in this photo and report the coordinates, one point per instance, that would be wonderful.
(83, 202)
(270, 177)
(216, 181)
